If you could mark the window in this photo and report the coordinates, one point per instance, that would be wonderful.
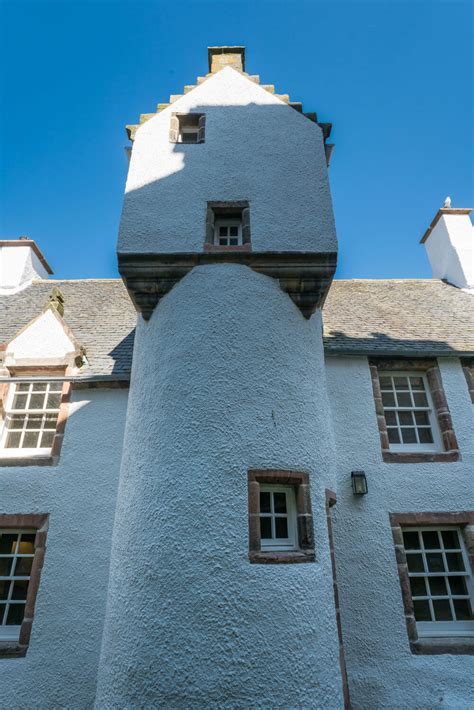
(412, 412)
(280, 518)
(440, 581)
(227, 226)
(436, 578)
(31, 416)
(187, 128)
(468, 368)
(22, 548)
(228, 232)
(408, 412)
(277, 518)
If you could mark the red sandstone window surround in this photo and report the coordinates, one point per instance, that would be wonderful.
(22, 549)
(280, 517)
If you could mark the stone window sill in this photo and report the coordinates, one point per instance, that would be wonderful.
(420, 457)
(461, 645)
(12, 649)
(48, 460)
(281, 557)
(217, 248)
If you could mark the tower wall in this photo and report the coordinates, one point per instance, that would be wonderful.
(227, 376)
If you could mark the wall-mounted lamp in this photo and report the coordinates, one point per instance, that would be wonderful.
(359, 483)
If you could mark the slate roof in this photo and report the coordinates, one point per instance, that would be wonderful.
(98, 311)
(388, 317)
(398, 317)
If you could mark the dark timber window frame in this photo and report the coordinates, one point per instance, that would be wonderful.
(299, 482)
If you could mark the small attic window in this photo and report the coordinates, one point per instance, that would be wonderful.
(187, 128)
(227, 226)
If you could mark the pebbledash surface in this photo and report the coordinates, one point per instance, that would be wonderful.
(177, 518)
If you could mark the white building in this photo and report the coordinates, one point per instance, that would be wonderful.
(171, 531)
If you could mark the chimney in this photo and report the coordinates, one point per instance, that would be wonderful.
(220, 57)
(20, 262)
(449, 242)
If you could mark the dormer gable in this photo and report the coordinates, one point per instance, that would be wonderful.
(46, 341)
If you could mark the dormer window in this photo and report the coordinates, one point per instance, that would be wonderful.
(228, 226)
(187, 128)
(228, 231)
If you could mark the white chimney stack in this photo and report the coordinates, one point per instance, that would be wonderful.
(20, 262)
(449, 242)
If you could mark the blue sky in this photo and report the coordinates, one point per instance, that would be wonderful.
(394, 78)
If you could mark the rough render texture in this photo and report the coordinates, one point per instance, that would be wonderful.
(253, 151)
(382, 671)
(190, 622)
(60, 668)
(43, 342)
(19, 265)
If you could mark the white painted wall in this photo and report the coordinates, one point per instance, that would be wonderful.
(257, 148)
(19, 265)
(59, 670)
(382, 671)
(227, 376)
(450, 249)
(43, 342)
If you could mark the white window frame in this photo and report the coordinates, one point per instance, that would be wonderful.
(436, 445)
(12, 633)
(227, 222)
(443, 628)
(9, 411)
(189, 130)
(290, 542)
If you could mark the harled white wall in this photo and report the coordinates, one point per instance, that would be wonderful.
(19, 265)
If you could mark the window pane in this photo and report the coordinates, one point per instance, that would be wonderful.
(33, 421)
(53, 401)
(5, 566)
(233, 242)
(463, 610)
(390, 418)
(8, 543)
(404, 399)
(13, 440)
(442, 610)
(388, 399)
(420, 399)
(23, 566)
(23, 387)
(450, 539)
(431, 540)
(264, 502)
(223, 231)
(455, 562)
(411, 540)
(281, 527)
(385, 382)
(30, 440)
(438, 586)
(15, 614)
(36, 401)
(279, 502)
(393, 436)
(4, 589)
(401, 383)
(418, 586)
(425, 436)
(234, 231)
(222, 242)
(50, 421)
(458, 585)
(422, 611)
(47, 439)
(19, 401)
(20, 589)
(39, 386)
(417, 383)
(27, 543)
(415, 563)
(265, 528)
(405, 418)
(435, 561)
(408, 436)
(422, 418)
(2, 613)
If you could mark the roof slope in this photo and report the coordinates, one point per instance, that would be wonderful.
(398, 317)
(98, 311)
(389, 317)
